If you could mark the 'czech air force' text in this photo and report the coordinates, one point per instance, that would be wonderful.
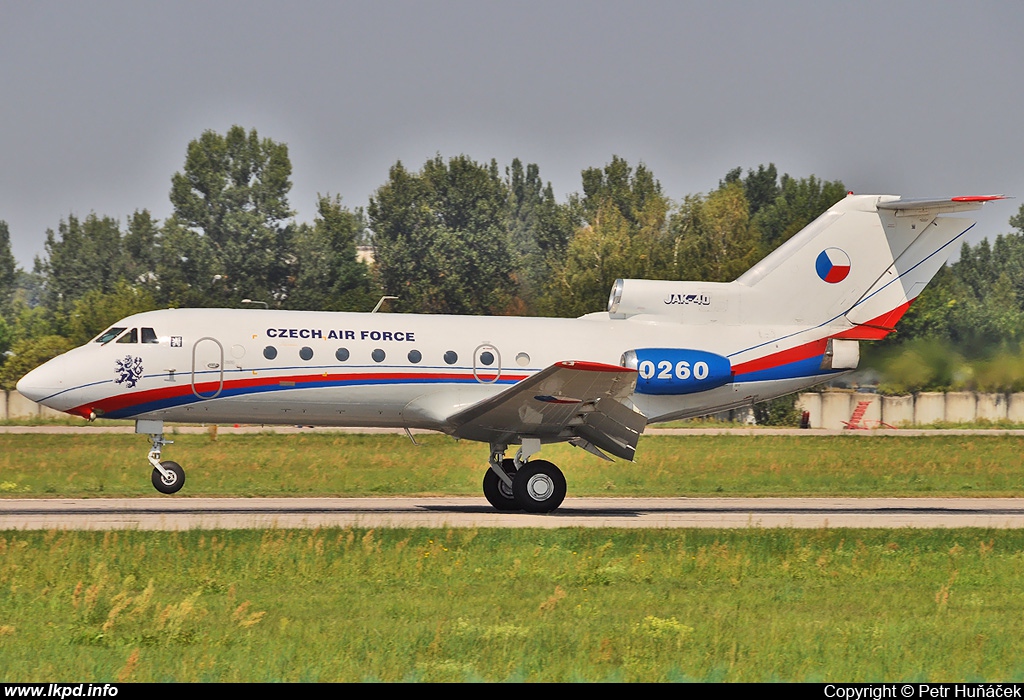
(310, 333)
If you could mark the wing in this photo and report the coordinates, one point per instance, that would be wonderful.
(576, 401)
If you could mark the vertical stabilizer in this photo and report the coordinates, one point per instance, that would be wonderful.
(864, 259)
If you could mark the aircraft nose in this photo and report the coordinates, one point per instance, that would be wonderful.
(45, 380)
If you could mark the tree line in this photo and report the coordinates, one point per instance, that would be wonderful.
(455, 236)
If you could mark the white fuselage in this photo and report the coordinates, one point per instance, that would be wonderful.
(397, 370)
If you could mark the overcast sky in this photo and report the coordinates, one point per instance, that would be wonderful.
(98, 100)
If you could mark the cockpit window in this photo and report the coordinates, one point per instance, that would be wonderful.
(131, 336)
(149, 336)
(109, 335)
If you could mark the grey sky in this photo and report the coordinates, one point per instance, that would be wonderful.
(98, 100)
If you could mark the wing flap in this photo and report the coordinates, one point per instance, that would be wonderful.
(566, 400)
(612, 427)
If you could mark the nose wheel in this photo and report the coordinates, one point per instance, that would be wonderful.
(172, 478)
(168, 477)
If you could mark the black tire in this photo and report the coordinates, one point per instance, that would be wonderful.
(495, 491)
(539, 487)
(175, 480)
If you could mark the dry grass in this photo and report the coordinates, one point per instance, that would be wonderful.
(456, 605)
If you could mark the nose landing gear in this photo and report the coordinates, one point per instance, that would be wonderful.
(168, 477)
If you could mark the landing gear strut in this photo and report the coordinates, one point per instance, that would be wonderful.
(516, 484)
(496, 491)
(168, 477)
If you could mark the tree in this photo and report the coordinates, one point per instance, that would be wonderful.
(630, 192)
(975, 305)
(187, 271)
(597, 255)
(1017, 221)
(329, 276)
(441, 242)
(714, 239)
(98, 310)
(234, 193)
(8, 269)
(624, 235)
(539, 230)
(29, 353)
(141, 248)
(796, 203)
(80, 257)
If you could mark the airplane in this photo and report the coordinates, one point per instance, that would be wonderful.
(663, 350)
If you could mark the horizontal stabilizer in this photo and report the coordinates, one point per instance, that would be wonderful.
(949, 205)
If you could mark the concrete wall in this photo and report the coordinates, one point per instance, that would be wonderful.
(836, 407)
(832, 410)
(3, 405)
(898, 411)
(929, 407)
(992, 407)
(48, 413)
(811, 403)
(20, 407)
(1015, 408)
(961, 406)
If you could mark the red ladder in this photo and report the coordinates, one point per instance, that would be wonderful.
(858, 415)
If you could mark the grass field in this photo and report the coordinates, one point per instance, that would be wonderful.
(495, 605)
(513, 605)
(334, 464)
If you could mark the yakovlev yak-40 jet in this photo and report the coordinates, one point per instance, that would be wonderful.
(663, 350)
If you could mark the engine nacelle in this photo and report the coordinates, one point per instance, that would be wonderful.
(689, 302)
(677, 371)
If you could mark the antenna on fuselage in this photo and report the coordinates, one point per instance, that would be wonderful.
(381, 303)
(256, 301)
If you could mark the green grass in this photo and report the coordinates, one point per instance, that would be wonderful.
(334, 464)
(497, 605)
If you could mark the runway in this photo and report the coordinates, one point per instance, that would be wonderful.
(219, 513)
(93, 429)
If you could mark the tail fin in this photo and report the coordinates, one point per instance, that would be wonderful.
(862, 262)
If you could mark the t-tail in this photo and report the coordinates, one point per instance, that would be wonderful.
(855, 269)
(860, 264)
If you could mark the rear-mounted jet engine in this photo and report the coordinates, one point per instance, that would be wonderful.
(673, 371)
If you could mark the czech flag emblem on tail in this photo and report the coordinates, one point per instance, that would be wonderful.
(832, 265)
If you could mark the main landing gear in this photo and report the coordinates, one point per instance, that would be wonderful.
(515, 484)
(168, 477)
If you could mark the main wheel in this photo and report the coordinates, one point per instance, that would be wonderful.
(496, 492)
(539, 487)
(174, 480)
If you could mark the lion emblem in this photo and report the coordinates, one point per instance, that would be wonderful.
(128, 370)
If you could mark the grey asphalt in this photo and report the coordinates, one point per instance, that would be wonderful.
(179, 513)
(294, 430)
(182, 513)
